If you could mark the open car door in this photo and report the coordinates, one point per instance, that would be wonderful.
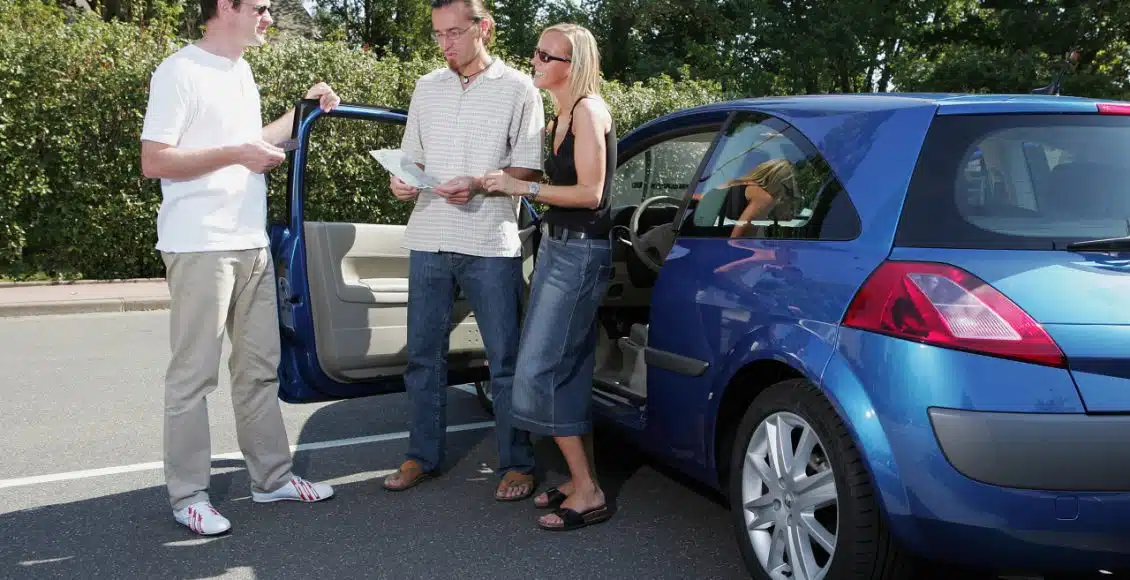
(342, 275)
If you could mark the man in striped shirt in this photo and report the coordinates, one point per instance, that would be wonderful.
(474, 116)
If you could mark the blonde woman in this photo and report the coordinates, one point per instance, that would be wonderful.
(553, 381)
(769, 193)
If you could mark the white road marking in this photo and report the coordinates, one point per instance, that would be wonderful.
(468, 388)
(27, 563)
(153, 465)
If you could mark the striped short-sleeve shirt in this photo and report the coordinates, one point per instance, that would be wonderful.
(496, 122)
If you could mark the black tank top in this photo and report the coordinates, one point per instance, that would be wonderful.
(561, 169)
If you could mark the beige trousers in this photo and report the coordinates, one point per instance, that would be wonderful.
(212, 292)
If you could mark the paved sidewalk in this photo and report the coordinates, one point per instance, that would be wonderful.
(83, 297)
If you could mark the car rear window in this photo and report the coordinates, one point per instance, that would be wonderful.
(1019, 181)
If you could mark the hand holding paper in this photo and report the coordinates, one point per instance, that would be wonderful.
(457, 191)
(400, 166)
(401, 190)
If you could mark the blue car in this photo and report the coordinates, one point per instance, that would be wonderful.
(890, 328)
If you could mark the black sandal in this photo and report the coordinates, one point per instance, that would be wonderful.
(553, 499)
(572, 520)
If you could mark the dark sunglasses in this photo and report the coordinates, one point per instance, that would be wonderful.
(546, 57)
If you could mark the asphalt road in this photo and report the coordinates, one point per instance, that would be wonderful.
(81, 488)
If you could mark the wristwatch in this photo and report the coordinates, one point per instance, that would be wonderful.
(535, 189)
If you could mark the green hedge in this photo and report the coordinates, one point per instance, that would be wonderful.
(73, 92)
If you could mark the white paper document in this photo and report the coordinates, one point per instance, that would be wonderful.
(398, 164)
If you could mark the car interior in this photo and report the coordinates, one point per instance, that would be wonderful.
(1050, 176)
(647, 189)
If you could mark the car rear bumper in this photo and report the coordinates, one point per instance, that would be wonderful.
(997, 506)
(1055, 452)
(967, 453)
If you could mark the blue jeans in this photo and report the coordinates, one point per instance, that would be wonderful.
(494, 287)
(553, 385)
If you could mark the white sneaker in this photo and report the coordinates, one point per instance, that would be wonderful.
(297, 489)
(203, 519)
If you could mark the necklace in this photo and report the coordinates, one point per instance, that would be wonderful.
(467, 78)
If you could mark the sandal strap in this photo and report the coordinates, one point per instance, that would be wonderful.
(410, 466)
(569, 517)
(516, 478)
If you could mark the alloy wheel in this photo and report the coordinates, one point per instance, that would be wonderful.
(789, 499)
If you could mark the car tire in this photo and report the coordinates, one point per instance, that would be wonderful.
(862, 547)
(486, 399)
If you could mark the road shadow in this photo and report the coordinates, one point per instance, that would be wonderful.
(446, 528)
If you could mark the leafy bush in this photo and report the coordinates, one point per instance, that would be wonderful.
(73, 91)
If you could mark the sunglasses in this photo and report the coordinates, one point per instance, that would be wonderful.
(546, 57)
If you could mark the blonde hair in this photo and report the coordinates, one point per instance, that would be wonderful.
(778, 177)
(584, 70)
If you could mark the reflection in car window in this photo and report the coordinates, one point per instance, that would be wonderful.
(665, 168)
(766, 180)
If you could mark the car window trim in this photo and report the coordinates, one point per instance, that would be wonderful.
(703, 163)
(307, 113)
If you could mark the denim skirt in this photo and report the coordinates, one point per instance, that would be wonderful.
(552, 392)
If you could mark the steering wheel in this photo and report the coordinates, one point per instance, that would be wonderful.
(646, 245)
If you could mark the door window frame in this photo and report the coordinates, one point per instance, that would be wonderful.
(307, 112)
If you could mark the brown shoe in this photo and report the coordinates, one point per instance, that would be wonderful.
(409, 474)
(515, 480)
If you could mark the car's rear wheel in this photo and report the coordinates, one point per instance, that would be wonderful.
(802, 501)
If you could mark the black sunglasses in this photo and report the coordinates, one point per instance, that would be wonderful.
(546, 57)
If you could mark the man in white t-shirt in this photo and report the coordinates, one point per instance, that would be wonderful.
(204, 138)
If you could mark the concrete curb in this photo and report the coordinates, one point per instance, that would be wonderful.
(133, 304)
(77, 282)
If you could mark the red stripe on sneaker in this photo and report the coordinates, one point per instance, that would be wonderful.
(311, 491)
(297, 483)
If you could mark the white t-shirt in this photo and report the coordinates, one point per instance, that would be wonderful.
(198, 100)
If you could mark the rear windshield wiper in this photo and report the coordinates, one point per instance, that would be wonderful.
(1109, 244)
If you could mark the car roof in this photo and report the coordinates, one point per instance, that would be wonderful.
(795, 107)
(945, 103)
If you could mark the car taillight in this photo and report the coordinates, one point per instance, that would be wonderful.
(1114, 109)
(946, 306)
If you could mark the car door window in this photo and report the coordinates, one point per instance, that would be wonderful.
(665, 168)
(766, 180)
(343, 183)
